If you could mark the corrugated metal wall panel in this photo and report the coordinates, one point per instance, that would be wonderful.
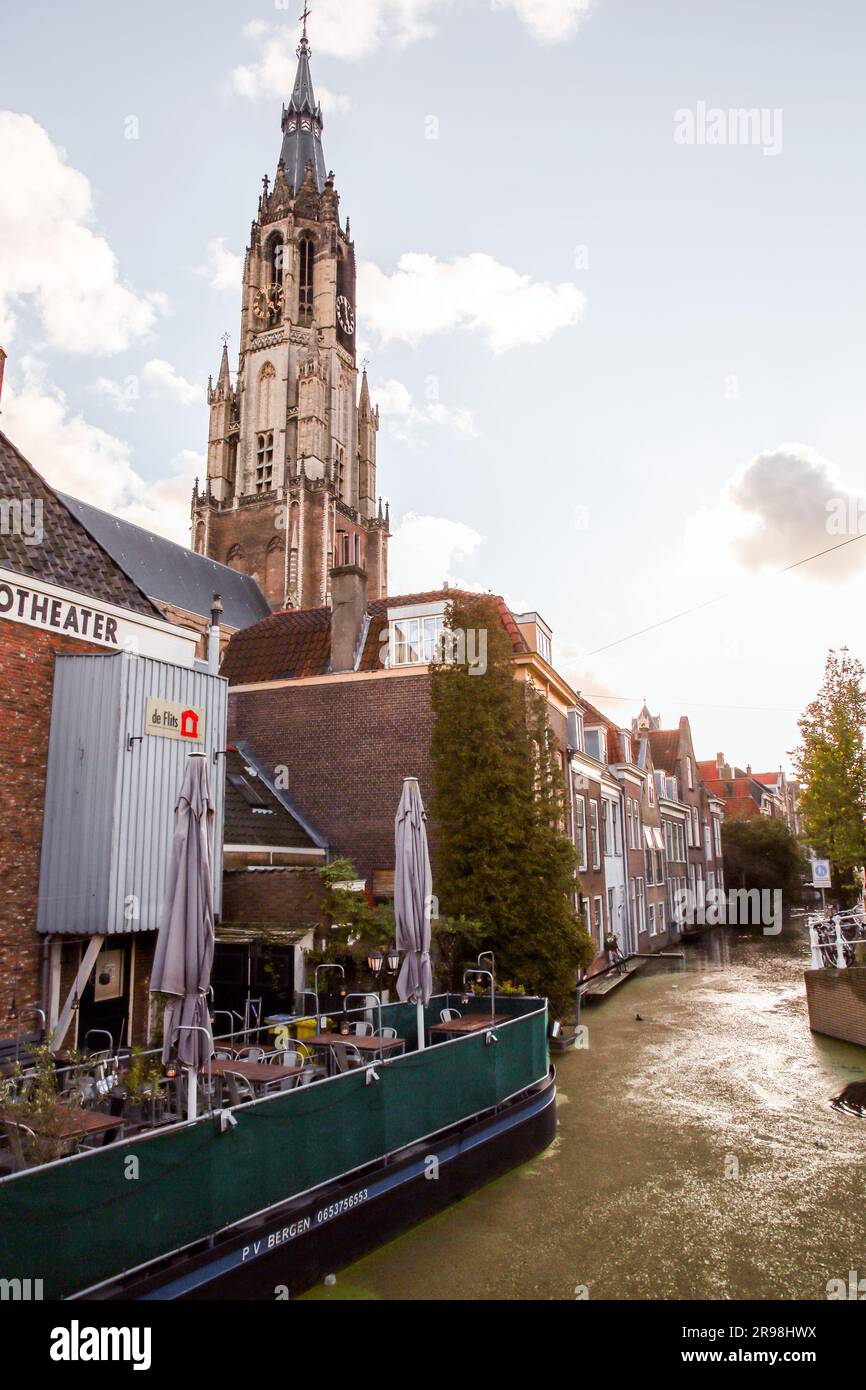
(110, 805)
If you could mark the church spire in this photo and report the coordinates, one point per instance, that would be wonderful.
(302, 124)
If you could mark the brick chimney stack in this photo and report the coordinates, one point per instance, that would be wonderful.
(348, 606)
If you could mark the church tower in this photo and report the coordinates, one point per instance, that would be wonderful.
(291, 467)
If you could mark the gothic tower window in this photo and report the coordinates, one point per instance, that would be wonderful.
(339, 468)
(264, 460)
(275, 281)
(274, 562)
(235, 558)
(306, 254)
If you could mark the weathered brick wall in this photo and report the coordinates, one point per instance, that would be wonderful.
(837, 1003)
(285, 897)
(347, 746)
(26, 683)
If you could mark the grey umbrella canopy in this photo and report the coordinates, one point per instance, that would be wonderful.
(413, 889)
(185, 945)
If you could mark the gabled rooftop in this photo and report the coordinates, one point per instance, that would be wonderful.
(67, 555)
(296, 643)
(171, 573)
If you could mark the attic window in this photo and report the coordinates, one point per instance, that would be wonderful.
(251, 796)
(543, 644)
(417, 641)
(595, 743)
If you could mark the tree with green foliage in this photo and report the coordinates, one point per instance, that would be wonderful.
(499, 806)
(831, 765)
(761, 852)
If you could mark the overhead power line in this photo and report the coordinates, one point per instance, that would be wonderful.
(719, 598)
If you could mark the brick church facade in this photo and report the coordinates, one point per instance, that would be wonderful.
(290, 491)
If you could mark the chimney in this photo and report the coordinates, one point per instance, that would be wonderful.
(2, 365)
(720, 764)
(348, 606)
(748, 769)
(213, 636)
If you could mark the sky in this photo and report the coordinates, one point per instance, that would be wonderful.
(616, 333)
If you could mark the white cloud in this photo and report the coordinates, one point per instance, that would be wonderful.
(789, 503)
(122, 395)
(51, 256)
(424, 550)
(164, 381)
(549, 21)
(223, 269)
(406, 420)
(88, 462)
(425, 296)
(353, 31)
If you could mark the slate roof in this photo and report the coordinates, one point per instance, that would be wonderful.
(295, 643)
(171, 573)
(269, 823)
(302, 128)
(68, 555)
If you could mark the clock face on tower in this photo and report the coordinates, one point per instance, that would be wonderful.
(345, 316)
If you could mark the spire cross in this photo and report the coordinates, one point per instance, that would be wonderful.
(304, 17)
(225, 339)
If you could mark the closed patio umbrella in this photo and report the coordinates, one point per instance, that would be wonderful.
(413, 889)
(185, 945)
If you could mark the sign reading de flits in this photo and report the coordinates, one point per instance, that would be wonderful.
(172, 720)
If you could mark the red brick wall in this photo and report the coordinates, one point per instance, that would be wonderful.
(26, 682)
(347, 746)
(285, 897)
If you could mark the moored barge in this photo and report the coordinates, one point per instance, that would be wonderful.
(264, 1199)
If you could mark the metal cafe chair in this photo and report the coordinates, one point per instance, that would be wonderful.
(448, 1015)
(15, 1132)
(347, 1057)
(251, 1053)
(361, 1030)
(386, 1033)
(240, 1089)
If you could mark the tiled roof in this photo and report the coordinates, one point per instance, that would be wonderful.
(708, 770)
(67, 555)
(665, 747)
(593, 716)
(270, 823)
(295, 643)
(173, 573)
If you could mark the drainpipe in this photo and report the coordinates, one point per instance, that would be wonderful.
(625, 896)
(213, 637)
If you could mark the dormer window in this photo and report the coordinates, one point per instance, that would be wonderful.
(417, 641)
(544, 645)
(626, 746)
(595, 743)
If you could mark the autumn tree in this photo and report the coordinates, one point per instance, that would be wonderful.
(831, 765)
(499, 806)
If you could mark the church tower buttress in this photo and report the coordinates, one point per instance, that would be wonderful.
(291, 474)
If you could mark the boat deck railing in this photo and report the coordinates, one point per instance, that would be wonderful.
(834, 940)
(93, 1215)
(98, 1079)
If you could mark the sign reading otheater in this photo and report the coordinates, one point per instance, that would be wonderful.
(45, 606)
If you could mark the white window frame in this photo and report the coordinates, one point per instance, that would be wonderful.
(651, 918)
(593, 833)
(580, 832)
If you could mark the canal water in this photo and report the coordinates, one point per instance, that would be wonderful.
(697, 1153)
